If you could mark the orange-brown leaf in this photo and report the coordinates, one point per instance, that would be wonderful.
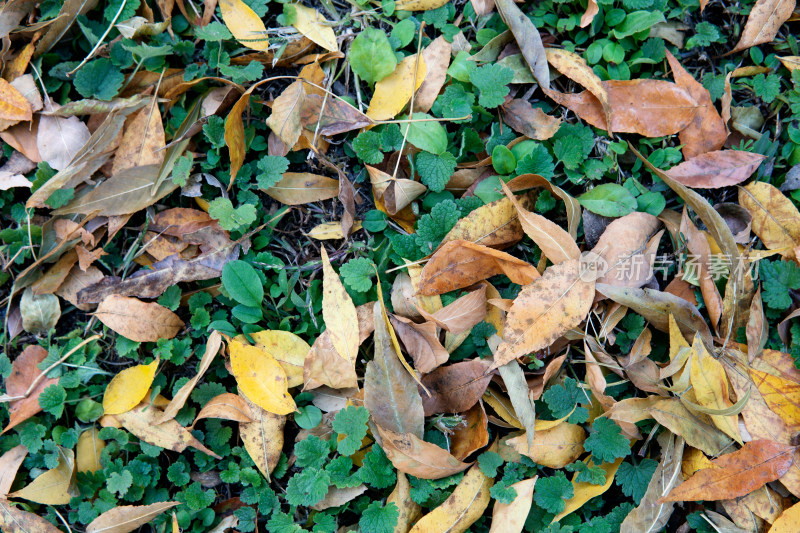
(712, 170)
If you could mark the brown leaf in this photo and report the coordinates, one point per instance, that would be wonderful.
(263, 437)
(652, 108)
(555, 243)
(55, 275)
(437, 58)
(698, 246)
(455, 388)
(757, 330)
(24, 371)
(330, 116)
(9, 464)
(695, 429)
(390, 393)
(623, 247)
(736, 474)
(575, 68)
(530, 121)
(545, 310)
(411, 455)
(170, 435)
(226, 406)
(462, 314)
(528, 39)
(592, 9)
(142, 140)
(473, 435)
(137, 320)
(324, 366)
(707, 131)
(421, 341)
(712, 170)
(126, 518)
(765, 20)
(121, 194)
(303, 188)
(461, 263)
(285, 119)
(15, 520)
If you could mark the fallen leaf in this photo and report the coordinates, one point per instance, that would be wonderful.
(411, 455)
(555, 447)
(13, 106)
(528, 39)
(462, 314)
(473, 435)
(24, 371)
(421, 342)
(462, 508)
(126, 518)
(142, 140)
(40, 313)
(623, 246)
(170, 435)
(460, 263)
(419, 5)
(409, 510)
(455, 388)
(651, 515)
(592, 9)
(88, 451)
(137, 320)
(555, 243)
(765, 20)
(575, 68)
(697, 430)
(10, 462)
(495, 224)
(263, 437)
(775, 218)
(303, 188)
(710, 386)
(736, 474)
(261, 378)
(213, 344)
(712, 170)
(393, 92)
(55, 486)
(313, 25)
(226, 406)
(698, 246)
(519, 393)
(128, 388)
(390, 393)
(326, 115)
(652, 108)
(510, 517)
(529, 121)
(245, 25)
(781, 395)
(437, 58)
(707, 132)
(545, 310)
(15, 520)
(285, 120)
(337, 497)
(583, 491)
(787, 521)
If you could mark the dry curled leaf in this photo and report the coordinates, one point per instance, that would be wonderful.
(137, 320)
(765, 20)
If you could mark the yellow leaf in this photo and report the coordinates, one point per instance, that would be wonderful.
(286, 348)
(128, 388)
(330, 231)
(419, 5)
(314, 26)
(394, 91)
(782, 396)
(89, 448)
(710, 385)
(583, 492)
(244, 24)
(263, 438)
(790, 62)
(338, 312)
(510, 517)
(409, 509)
(787, 521)
(776, 220)
(54, 487)
(554, 448)
(464, 506)
(127, 517)
(261, 378)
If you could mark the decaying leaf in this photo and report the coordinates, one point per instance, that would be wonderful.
(765, 20)
(24, 373)
(721, 168)
(528, 39)
(15, 520)
(530, 121)
(411, 455)
(462, 508)
(510, 517)
(137, 320)
(263, 437)
(127, 518)
(575, 68)
(455, 388)
(545, 310)
(776, 220)
(555, 447)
